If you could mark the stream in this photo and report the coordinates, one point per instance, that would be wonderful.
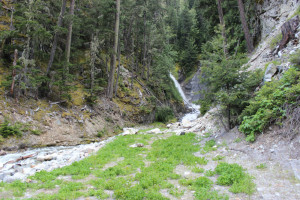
(21, 165)
(195, 108)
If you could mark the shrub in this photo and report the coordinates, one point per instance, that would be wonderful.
(229, 173)
(164, 114)
(7, 130)
(268, 104)
(275, 41)
(233, 175)
(295, 59)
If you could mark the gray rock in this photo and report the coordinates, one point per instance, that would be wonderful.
(2, 153)
(45, 158)
(8, 179)
(154, 131)
(137, 145)
(271, 70)
(2, 175)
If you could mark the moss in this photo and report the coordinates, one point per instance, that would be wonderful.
(275, 40)
(39, 115)
(77, 96)
(65, 114)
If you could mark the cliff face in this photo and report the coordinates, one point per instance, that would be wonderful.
(272, 13)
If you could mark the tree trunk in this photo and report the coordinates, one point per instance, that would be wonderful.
(69, 39)
(222, 22)
(145, 47)
(14, 73)
(248, 37)
(11, 26)
(118, 73)
(112, 68)
(54, 45)
(94, 49)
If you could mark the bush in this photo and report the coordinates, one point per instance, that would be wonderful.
(295, 59)
(7, 130)
(269, 104)
(229, 173)
(164, 114)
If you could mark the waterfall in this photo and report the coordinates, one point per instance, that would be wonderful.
(195, 108)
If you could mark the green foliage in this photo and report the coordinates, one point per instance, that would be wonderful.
(229, 85)
(275, 41)
(261, 166)
(197, 170)
(229, 173)
(295, 59)
(209, 146)
(210, 173)
(267, 106)
(6, 129)
(205, 106)
(234, 175)
(205, 194)
(102, 133)
(164, 114)
(218, 157)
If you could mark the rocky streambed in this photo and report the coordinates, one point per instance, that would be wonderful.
(18, 166)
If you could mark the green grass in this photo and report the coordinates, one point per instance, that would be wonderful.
(218, 158)
(235, 176)
(197, 170)
(209, 146)
(130, 177)
(261, 166)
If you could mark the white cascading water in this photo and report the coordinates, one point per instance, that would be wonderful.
(195, 108)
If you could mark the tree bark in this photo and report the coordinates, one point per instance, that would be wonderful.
(118, 73)
(222, 22)
(112, 68)
(94, 48)
(14, 73)
(248, 37)
(69, 38)
(54, 45)
(145, 47)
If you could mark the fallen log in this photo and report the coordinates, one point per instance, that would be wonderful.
(19, 159)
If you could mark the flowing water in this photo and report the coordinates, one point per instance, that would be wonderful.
(20, 165)
(195, 108)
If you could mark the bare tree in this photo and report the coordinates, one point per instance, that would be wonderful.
(112, 68)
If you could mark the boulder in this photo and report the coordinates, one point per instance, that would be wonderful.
(137, 145)
(45, 158)
(154, 131)
(129, 131)
(270, 72)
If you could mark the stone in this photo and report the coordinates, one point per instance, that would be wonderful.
(29, 171)
(137, 145)
(154, 131)
(182, 133)
(129, 131)
(271, 70)
(45, 158)
(2, 153)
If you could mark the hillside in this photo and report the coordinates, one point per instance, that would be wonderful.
(150, 99)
